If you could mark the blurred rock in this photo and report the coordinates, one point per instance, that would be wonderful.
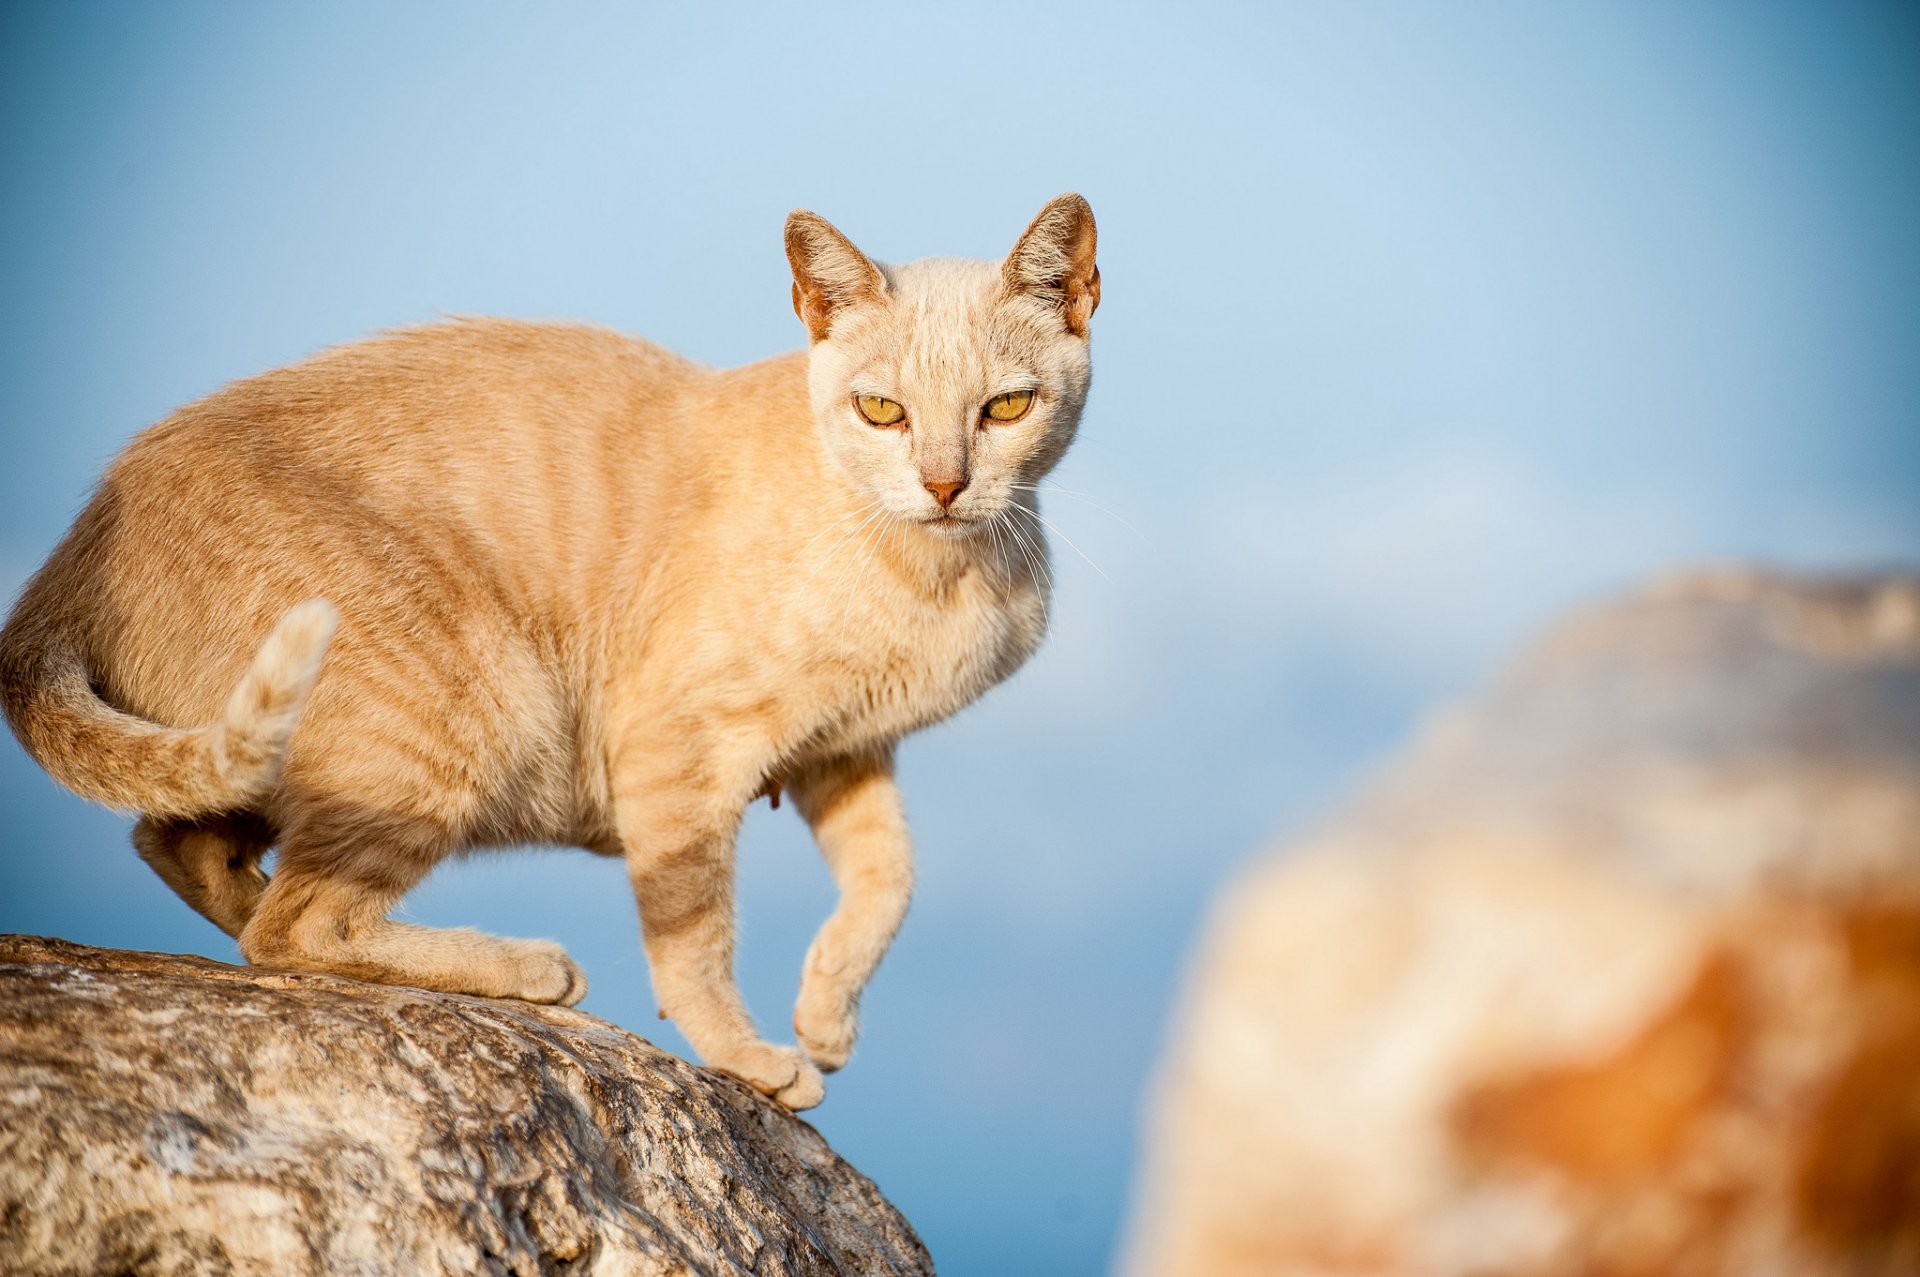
(163, 1115)
(1616, 972)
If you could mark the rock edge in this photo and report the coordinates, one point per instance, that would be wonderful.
(169, 1115)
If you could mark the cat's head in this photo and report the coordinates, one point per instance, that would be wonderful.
(945, 387)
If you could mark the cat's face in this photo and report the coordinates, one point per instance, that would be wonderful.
(946, 388)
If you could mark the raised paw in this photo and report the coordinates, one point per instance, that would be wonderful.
(826, 1031)
(778, 1071)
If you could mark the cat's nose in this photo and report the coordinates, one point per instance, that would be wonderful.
(944, 493)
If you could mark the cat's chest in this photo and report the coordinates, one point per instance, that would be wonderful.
(893, 661)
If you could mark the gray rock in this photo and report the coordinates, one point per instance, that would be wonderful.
(171, 1115)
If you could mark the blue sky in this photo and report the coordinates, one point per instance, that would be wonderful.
(1420, 324)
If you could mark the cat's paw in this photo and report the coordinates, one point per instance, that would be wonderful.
(542, 972)
(806, 1090)
(778, 1071)
(826, 1032)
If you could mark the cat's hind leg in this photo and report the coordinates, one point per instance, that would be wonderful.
(325, 909)
(212, 863)
(855, 811)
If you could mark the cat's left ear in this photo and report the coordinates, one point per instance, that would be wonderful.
(829, 273)
(1054, 261)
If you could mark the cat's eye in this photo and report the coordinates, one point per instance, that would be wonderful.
(878, 411)
(1008, 407)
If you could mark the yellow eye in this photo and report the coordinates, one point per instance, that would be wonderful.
(878, 411)
(1009, 407)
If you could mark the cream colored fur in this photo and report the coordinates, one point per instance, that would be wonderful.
(586, 592)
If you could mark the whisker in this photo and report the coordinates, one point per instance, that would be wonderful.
(836, 526)
(1079, 496)
(1001, 552)
(1035, 555)
(840, 559)
(1063, 536)
(817, 537)
(893, 532)
(832, 555)
(859, 559)
(871, 501)
(863, 560)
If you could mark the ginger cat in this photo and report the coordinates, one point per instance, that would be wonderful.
(486, 583)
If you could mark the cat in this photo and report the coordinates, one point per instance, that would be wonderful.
(488, 583)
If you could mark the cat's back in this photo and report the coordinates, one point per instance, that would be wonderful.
(467, 384)
(458, 480)
(517, 444)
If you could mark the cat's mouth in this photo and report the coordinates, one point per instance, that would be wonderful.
(948, 524)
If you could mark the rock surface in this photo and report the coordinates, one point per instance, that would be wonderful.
(164, 1115)
(1616, 972)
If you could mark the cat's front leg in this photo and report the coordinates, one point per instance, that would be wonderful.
(854, 808)
(677, 828)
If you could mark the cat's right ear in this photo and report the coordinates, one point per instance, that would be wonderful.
(829, 273)
(1054, 261)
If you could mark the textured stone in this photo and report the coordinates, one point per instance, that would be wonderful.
(169, 1115)
(1616, 971)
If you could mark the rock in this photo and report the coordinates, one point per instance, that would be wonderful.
(163, 1115)
(1617, 971)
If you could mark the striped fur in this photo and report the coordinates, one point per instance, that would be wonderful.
(487, 583)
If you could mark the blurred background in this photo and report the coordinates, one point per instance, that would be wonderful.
(1419, 325)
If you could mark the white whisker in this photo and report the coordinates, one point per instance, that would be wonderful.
(832, 555)
(856, 563)
(1063, 536)
(1001, 551)
(1078, 496)
(1034, 555)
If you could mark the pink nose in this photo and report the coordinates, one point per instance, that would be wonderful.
(944, 493)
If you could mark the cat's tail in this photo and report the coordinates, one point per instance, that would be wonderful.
(127, 762)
